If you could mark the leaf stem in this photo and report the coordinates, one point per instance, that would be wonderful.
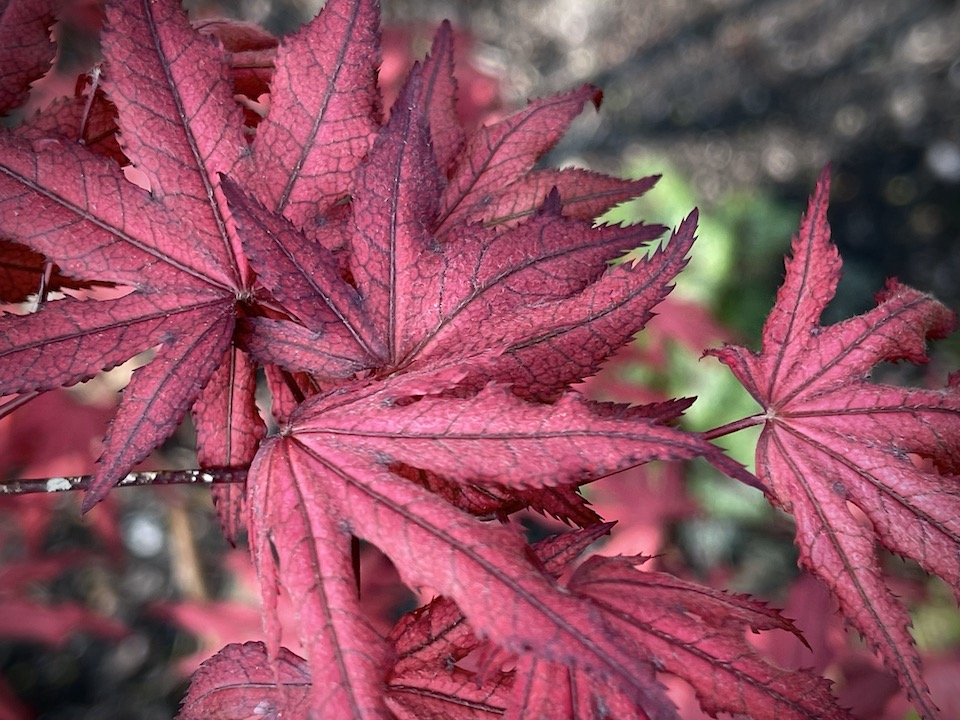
(733, 427)
(152, 477)
(17, 402)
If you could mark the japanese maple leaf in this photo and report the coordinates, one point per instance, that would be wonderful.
(24, 273)
(26, 53)
(650, 608)
(468, 338)
(426, 678)
(243, 681)
(423, 682)
(839, 452)
(179, 127)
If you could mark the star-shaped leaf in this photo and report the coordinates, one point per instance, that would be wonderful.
(180, 127)
(859, 464)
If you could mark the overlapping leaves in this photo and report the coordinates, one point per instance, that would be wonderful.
(421, 301)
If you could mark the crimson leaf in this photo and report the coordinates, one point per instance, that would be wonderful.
(241, 681)
(324, 110)
(330, 474)
(434, 316)
(835, 445)
(179, 127)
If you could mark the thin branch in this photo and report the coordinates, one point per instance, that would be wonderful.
(152, 477)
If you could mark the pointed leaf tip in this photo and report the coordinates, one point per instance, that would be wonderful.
(324, 113)
(597, 98)
(502, 153)
(552, 204)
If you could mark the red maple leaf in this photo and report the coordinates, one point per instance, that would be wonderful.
(451, 327)
(243, 681)
(838, 451)
(179, 126)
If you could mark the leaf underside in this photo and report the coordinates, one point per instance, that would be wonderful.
(858, 464)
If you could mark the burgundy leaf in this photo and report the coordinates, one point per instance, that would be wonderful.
(84, 215)
(228, 405)
(557, 336)
(429, 640)
(355, 460)
(432, 695)
(493, 500)
(89, 121)
(82, 209)
(550, 691)
(835, 445)
(438, 94)
(302, 275)
(558, 552)
(86, 116)
(563, 503)
(185, 100)
(491, 437)
(421, 301)
(431, 635)
(699, 634)
(586, 195)
(52, 347)
(21, 272)
(294, 531)
(471, 564)
(495, 286)
(66, 342)
(281, 342)
(157, 398)
(395, 203)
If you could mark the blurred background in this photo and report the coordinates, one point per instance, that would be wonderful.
(739, 104)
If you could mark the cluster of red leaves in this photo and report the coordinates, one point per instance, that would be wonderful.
(421, 300)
